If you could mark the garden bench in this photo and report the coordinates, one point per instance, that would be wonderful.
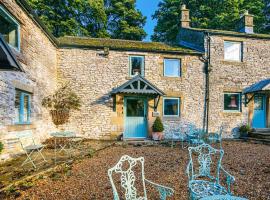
(128, 180)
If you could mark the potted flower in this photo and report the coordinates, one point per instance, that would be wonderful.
(244, 130)
(61, 103)
(157, 129)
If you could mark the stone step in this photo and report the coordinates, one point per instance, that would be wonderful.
(259, 140)
(262, 130)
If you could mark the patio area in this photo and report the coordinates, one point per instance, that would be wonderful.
(87, 178)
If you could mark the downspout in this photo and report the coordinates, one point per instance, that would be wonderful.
(207, 90)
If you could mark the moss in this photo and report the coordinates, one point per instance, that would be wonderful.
(116, 44)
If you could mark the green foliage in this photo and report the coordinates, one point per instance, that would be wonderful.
(158, 125)
(212, 14)
(124, 20)
(245, 128)
(72, 17)
(62, 99)
(1, 147)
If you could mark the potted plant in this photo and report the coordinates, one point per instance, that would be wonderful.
(61, 103)
(244, 130)
(157, 129)
(1, 147)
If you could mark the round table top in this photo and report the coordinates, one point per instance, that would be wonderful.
(63, 134)
(223, 197)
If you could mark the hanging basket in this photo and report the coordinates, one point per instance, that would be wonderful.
(59, 117)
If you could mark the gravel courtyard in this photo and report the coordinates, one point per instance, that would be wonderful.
(88, 179)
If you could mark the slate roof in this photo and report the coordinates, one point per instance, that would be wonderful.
(231, 33)
(263, 85)
(117, 44)
(8, 60)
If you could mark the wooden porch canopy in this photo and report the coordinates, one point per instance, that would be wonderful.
(262, 86)
(8, 61)
(140, 86)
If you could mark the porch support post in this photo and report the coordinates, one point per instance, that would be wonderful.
(156, 101)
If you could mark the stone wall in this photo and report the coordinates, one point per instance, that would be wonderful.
(38, 57)
(93, 77)
(234, 77)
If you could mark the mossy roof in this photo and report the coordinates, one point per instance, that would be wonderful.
(125, 45)
(232, 33)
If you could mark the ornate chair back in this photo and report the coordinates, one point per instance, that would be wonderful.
(128, 178)
(203, 155)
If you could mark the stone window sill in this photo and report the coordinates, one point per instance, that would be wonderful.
(176, 118)
(21, 127)
(232, 113)
(172, 78)
(231, 62)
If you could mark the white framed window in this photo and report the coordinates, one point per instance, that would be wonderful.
(171, 107)
(172, 67)
(232, 102)
(233, 51)
(9, 29)
(136, 65)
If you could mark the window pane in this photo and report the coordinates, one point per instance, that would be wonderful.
(232, 51)
(136, 65)
(17, 106)
(171, 107)
(172, 67)
(9, 29)
(232, 102)
(135, 108)
(26, 113)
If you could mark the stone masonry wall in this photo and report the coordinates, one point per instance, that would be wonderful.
(38, 57)
(234, 77)
(93, 77)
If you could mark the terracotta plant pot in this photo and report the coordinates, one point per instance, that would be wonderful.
(157, 136)
(59, 117)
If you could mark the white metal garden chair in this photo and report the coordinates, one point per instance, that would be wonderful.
(30, 146)
(128, 180)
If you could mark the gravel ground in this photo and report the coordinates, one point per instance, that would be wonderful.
(87, 179)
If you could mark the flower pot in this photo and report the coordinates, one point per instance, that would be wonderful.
(244, 135)
(59, 117)
(157, 136)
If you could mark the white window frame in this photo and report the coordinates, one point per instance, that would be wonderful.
(18, 28)
(130, 64)
(178, 108)
(240, 102)
(240, 50)
(164, 64)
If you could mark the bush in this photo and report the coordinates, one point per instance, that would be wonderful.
(158, 125)
(1, 147)
(245, 128)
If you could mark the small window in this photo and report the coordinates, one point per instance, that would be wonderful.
(172, 68)
(171, 107)
(136, 65)
(9, 28)
(22, 107)
(232, 102)
(233, 51)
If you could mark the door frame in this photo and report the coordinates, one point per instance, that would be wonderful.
(145, 112)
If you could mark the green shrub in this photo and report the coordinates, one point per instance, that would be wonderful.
(1, 147)
(158, 125)
(245, 128)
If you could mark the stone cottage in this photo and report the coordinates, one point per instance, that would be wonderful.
(123, 84)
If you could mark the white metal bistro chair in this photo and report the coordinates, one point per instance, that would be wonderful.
(128, 180)
(30, 146)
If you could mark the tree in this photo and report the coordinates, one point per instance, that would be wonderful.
(213, 14)
(124, 20)
(72, 17)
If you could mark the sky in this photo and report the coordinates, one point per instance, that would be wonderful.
(148, 7)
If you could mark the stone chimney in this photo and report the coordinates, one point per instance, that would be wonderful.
(185, 21)
(246, 23)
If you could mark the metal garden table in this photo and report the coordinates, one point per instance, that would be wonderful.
(65, 134)
(223, 197)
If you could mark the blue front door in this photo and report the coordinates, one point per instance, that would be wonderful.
(259, 114)
(135, 117)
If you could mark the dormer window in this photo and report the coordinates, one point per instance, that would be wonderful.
(9, 29)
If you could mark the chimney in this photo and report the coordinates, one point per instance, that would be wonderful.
(185, 21)
(246, 23)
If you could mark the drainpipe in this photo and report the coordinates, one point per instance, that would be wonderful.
(207, 62)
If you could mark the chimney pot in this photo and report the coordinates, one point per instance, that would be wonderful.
(185, 21)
